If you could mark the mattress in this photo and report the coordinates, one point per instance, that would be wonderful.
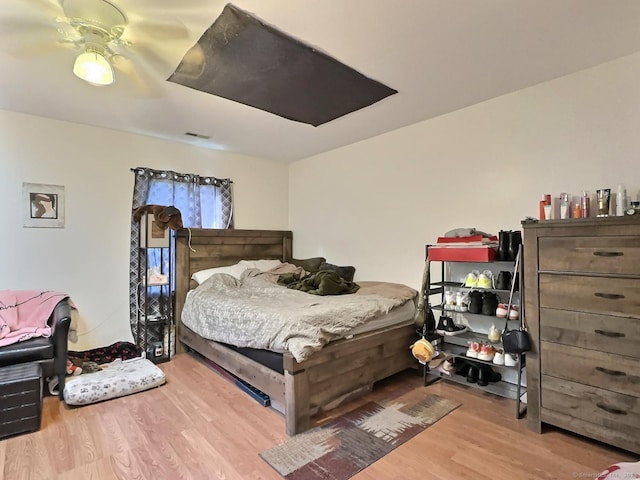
(254, 312)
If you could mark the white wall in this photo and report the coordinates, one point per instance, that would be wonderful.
(89, 258)
(375, 204)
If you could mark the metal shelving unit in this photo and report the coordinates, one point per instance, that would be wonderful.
(155, 326)
(511, 386)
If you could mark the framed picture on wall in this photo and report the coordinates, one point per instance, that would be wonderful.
(43, 205)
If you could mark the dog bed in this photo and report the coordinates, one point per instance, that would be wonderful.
(116, 379)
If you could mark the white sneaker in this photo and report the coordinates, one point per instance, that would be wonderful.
(502, 310)
(510, 359)
(462, 301)
(449, 300)
(498, 358)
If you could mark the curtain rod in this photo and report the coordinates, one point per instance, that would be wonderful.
(182, 174)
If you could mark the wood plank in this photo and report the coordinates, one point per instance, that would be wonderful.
(263, 378)
(530, 241)
(592, 367)
(613, 334)
(298, 415)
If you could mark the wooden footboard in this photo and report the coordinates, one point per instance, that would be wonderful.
(341, 371)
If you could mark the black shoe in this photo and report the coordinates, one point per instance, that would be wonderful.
(515, 240)
(503, 245)
(483, 380)
(487, 375)
(462, 368)
(504, 280)
(490, 303)
(472, 376)
(475, 301)
(442, 324)
(446, 326)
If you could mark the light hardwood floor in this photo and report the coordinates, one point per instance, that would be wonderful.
(200, 426)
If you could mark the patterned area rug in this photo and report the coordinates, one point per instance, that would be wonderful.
(344, 446)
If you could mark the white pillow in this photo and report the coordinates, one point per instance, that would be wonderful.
(262, 265)
(233, 270)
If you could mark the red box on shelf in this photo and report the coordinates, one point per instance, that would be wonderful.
(462, 254)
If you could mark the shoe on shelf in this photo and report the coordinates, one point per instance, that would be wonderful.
(490, 303)
(498, 358)
(449, 366)
(504, 280)
(485, 279)
(442, 323)
(462, 301)
(446, 326)
(502, 310)
(471, 280)
(486, 353)
(487, 375)
(483, 376)
(473, 350)
(449, 300)
(472, 376)
(514, 313)
(475, 301)
(510, 359)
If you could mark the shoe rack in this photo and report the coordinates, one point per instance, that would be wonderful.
(450, 276)
(155, 325)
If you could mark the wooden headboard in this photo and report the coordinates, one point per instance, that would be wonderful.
(218, 248)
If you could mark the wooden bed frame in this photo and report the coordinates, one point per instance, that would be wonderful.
(342, 370)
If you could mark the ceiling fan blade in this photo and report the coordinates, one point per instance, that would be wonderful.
(165, 28)
(135, 79)
(37, 49)
(49, 8)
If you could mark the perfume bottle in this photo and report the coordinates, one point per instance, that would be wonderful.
(584, 204)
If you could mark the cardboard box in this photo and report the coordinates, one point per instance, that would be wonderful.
(462, 254)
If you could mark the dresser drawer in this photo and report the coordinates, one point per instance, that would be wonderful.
(613, 296)
(618, 335)
(607, 255)
(600, 414)
(591, 367)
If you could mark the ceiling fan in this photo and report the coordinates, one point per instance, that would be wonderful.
(98, 24)
(101, 32)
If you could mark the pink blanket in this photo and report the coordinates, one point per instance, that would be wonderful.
(24, 314)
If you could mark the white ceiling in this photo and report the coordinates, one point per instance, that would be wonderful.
(441, 55)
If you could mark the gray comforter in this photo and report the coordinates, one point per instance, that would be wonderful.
(255, 312)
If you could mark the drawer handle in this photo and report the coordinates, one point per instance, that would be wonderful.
(609, 296)
(615, 411)
(610, 334)
(599, 253)
(613, 373)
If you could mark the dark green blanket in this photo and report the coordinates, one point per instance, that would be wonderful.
(325, 282)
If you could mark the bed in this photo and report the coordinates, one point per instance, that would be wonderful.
(343, 369)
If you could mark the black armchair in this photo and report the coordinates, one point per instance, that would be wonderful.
(50, 353)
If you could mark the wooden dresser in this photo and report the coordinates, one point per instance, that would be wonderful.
(582, 308)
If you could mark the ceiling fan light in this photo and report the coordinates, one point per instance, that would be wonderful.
(94, 68)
